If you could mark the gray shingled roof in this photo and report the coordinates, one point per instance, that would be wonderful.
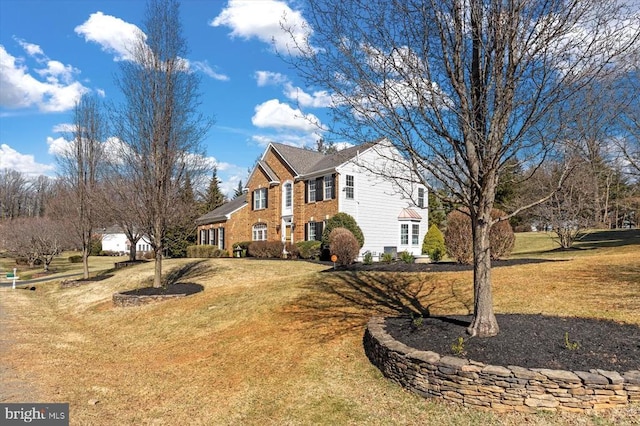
(220, 214)
(334, 160)
(305, 161)
(302, 160)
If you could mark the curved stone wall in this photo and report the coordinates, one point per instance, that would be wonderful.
(494, 387)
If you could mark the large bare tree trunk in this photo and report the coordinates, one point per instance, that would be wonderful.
(483, 323)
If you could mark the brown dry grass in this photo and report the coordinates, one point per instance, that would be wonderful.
(271, 342)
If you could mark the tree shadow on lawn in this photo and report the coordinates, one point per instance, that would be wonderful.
(177, 280)
(609, 238)
(343, 303)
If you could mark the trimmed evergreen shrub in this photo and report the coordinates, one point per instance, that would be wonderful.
(309, 249)
(406, 257)
(76, 258)
(433, 244)
(342, 220)
(205, 251)
(344, 245)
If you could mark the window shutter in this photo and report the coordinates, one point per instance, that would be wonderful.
(320, 189)
(319, 230)
(266, 198)
(253, 200)
(222, 238)
(306, 231)
(333, 186)
(306, 194)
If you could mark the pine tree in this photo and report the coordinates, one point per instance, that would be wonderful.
(213, 197)
(239, 190)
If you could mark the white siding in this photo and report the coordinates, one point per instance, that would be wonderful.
(378, 201)
(114, 242)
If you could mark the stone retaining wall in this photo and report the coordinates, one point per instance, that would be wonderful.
(494, 387)
(126, 300)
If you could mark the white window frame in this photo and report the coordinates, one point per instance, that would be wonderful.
(260, 199)
(404, 236)
(259, 232)
(311, 196)
(421, 192)
(349, 187)
(328, 187)
(415, 234)
(288, 195)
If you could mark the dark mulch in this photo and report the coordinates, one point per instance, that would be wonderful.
(178, 288)
(532, 341)
(400, 266)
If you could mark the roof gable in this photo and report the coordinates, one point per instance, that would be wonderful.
(221, 213)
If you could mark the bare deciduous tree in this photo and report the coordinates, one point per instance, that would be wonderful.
(37, 238)
(461, 87)
(80, 167)
(158, 125)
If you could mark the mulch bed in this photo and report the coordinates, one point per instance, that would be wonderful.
(531, 341)
(399, 266)
(179, 288)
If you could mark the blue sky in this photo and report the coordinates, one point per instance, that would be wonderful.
(52, 51)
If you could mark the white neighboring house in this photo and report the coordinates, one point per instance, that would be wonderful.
(115, 240)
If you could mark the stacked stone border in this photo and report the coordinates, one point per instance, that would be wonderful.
(498, 388)
(127, 300)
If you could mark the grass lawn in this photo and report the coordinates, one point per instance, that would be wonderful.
(280, 342)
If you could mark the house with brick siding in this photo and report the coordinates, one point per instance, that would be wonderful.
(292, 192)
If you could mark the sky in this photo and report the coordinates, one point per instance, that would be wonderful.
(53, 51)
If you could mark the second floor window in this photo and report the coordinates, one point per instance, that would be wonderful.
(287, 195)
(328, 187)
(312, 192)
(260, 199)
(421, 198)
(349, 187)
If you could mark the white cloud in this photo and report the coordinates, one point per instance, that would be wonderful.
(20, 89)
(266, 78)
(58, 146)
(277, 115)
(262, 20)
(30, 48)
(63, 128)
(23, 163)
(114, 35)
(300, 140)
(318, 99)
(206, 69)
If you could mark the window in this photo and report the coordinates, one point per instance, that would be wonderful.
(203, 236)
(260, 199)
(314, 231)
(404, 234)
(260, 232)
(421, 198)
(415, 234)
(349, 187)
(328, 187)
(312, 191)
(221, 238)
(212, 236)
(287, 195)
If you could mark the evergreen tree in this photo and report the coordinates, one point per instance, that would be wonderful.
(239, 190)
(213, 197)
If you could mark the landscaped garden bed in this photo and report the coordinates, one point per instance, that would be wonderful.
(146, 295)
(535, 362)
